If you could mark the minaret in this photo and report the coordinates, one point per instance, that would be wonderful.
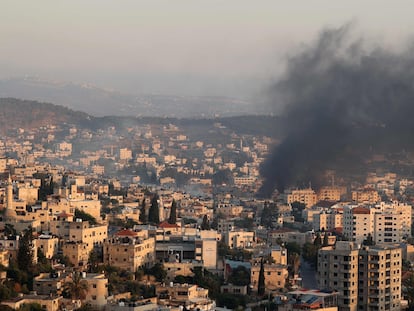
(9, 198)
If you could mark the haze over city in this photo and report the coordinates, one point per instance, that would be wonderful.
(222, 48)
(205, 155)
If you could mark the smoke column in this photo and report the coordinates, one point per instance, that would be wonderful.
(341, 100)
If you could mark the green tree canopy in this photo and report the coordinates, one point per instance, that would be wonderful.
(205, 225)
(78, 288)
(158, 272)
(240, 276)
(154, 212)
(173, 213)
(85, 216)
(25, 252)
(142, 216)
(261, 287)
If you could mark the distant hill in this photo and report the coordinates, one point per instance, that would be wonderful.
(26, 114)
(102, 102)
(17, 113)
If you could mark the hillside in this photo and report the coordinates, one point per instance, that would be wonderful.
(16, 113)
(100, 102)
(26, 114)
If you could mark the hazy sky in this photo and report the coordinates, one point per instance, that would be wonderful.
(201, 47)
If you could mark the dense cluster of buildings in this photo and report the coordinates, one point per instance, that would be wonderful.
(49, 184)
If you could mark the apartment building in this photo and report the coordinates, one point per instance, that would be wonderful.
(338, 270)
(129, 250)
(380, 277)
(385, 223)
(125, 154)
(327, 220)
(392, 222)
(330, 193)
(189, 245)
(358, 223)
(366, 278)
(305, 196)
(90, 235)
(367, 195)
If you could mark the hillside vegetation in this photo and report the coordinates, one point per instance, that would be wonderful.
(27, 114)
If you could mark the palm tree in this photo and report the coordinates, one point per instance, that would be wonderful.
(78, 288)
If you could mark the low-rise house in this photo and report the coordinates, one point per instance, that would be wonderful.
(48, 283)
(233, 289)
(191, 296)
(275, 275)
(239, 239)
(47, 302)
(310, 300)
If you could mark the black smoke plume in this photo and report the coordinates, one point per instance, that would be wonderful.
(341, 100)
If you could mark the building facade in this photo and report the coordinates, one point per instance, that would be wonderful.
(366, 278)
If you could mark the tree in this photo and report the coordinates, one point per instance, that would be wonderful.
(240, 276)
(234, 302)
(266, 217)
(369, 241)
(318, 240)
(173, 213)
(310, 253)
(25, 252)
(142, 215)
(9, 230)
(78, 288)
(297, 209)
(85, 216)
(261, 287)
(408, 285)
(51, 186)
(293, 247)
(294, 263)
(46, 185)
(43, 264)
(158, 272)
(5, 292)
(325, 239)
(154, 212)
(205, 225)
(30, 307)
(95, 258)
(208, 280)
(223, 177)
